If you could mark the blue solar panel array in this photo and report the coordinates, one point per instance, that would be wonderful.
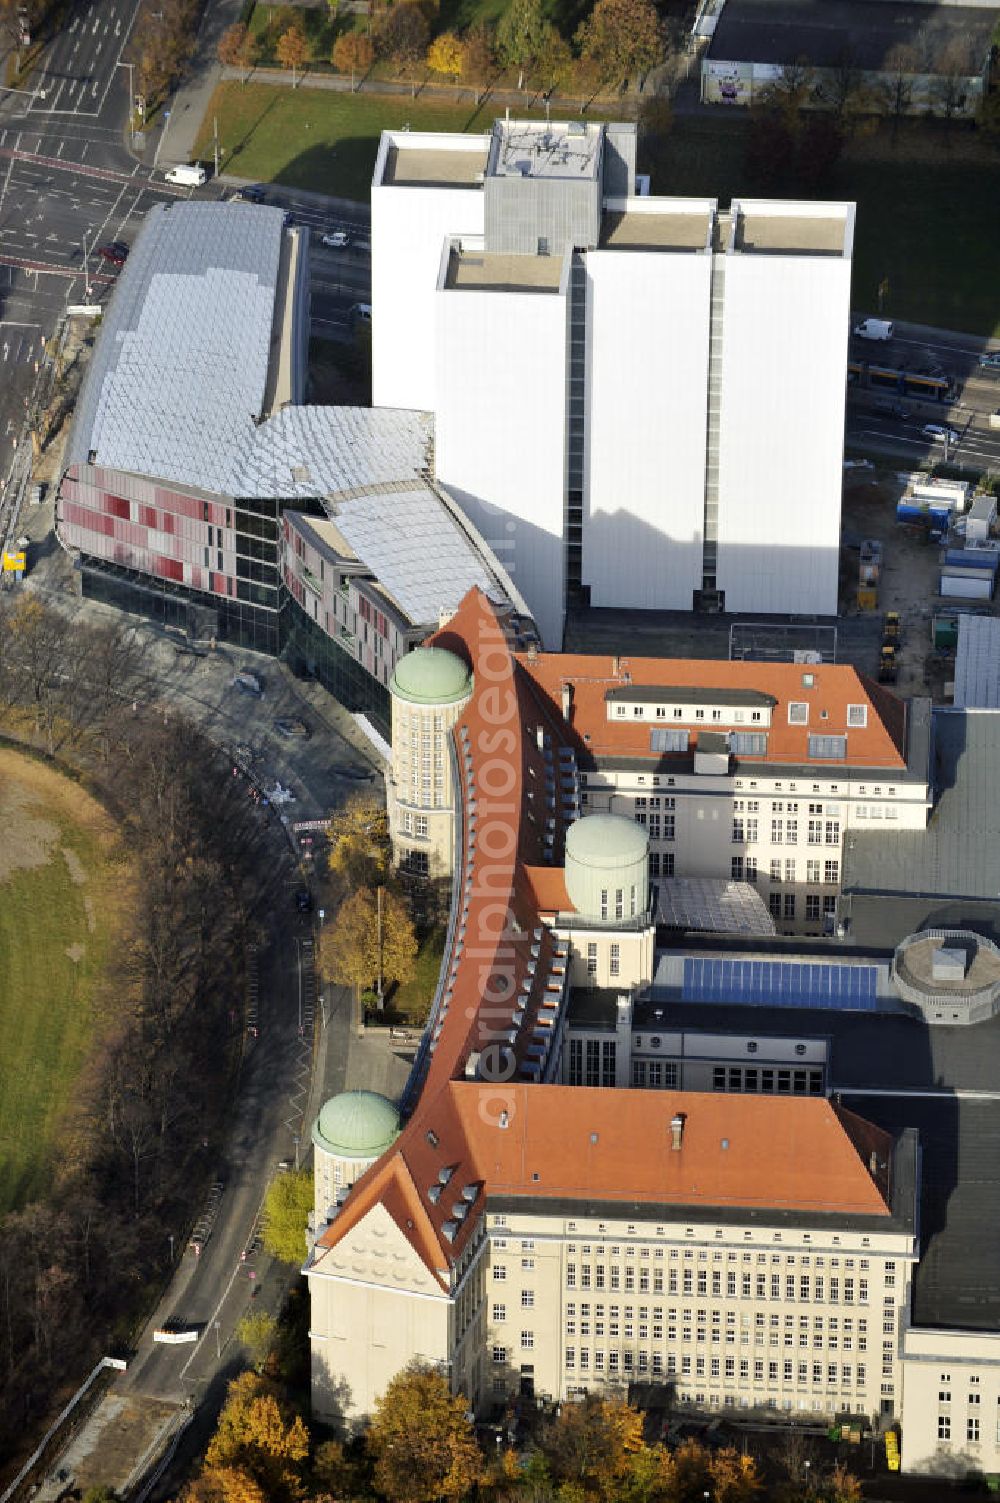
(781, 983)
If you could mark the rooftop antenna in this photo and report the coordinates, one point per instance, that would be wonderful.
(506, 115)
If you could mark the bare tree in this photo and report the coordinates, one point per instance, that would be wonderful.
(899, 66)
(954, 67)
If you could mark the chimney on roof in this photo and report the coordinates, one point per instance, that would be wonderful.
(676, 1132)
(873, 1163)
(504, 1119)
(567, 702)
(540, 737)
(614, 667)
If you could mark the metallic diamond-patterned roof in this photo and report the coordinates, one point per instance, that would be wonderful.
(180, 367)
(178, 378)
(319, 451)
(417, 549)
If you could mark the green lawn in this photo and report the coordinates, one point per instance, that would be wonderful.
(412, 1000)
(46, 994)
(931, 226)
(316, 138)
(929, 221)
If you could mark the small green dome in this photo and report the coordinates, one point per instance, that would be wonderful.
(431, 676)
(356, 1125)
(607, 841)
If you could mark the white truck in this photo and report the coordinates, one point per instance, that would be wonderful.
(187, 175)
(874, 328)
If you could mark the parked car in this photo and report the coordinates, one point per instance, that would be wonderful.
(363, 310)
(337, 240)
(293, 728)
(894, 409)
(990, 360)
(251, 194)
(938, 434)
(249, 682)
(116, 252)
(303, 900)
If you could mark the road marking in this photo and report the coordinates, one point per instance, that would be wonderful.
(948, 349)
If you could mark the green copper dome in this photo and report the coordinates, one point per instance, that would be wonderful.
(356, 1125)
(431, 676)
(607, 841)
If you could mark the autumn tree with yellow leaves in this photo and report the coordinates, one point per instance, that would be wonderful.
(259, 1451)
(371, 936)
(359, 842)
(423, 1448)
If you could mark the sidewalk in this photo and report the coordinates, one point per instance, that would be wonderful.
(173, 141)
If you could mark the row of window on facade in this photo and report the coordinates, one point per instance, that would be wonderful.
(805, 1288)
(974, 1401)
(800, 1374)
(593, 1062)
(798, 714)
(830, 1333)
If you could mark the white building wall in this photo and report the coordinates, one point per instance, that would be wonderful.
(500, 439)
(363, 1330)
(647, 394)
(951, 1402)
(784, 354)
(409, 227)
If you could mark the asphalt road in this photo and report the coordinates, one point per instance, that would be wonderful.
(871, 429)
(212, 1290)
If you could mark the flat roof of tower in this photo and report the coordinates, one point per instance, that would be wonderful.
(483, 271)
(430, 166)
(760, 232)
(667, 230)
(550, 149)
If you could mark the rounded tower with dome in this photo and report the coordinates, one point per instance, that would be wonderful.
(352, 1131)
(429, 689)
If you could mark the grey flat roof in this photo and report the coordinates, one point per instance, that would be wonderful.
(958, 855)
(782, 31)
(539, 148)
(490, 271)
(791, 234)
(957, 1281)
(665, 231)
(977, 663)
(433, 166)
(712, 905)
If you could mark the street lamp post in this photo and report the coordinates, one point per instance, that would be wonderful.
(170, 1239)
(86, 270)
(131, 95)
(218, 1339)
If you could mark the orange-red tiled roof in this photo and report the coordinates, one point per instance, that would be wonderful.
(881, 743)
(738, 1152)
(574, 1142)
(548, 888)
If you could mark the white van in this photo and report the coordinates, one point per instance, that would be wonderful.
(191, 176)
(874, 328)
